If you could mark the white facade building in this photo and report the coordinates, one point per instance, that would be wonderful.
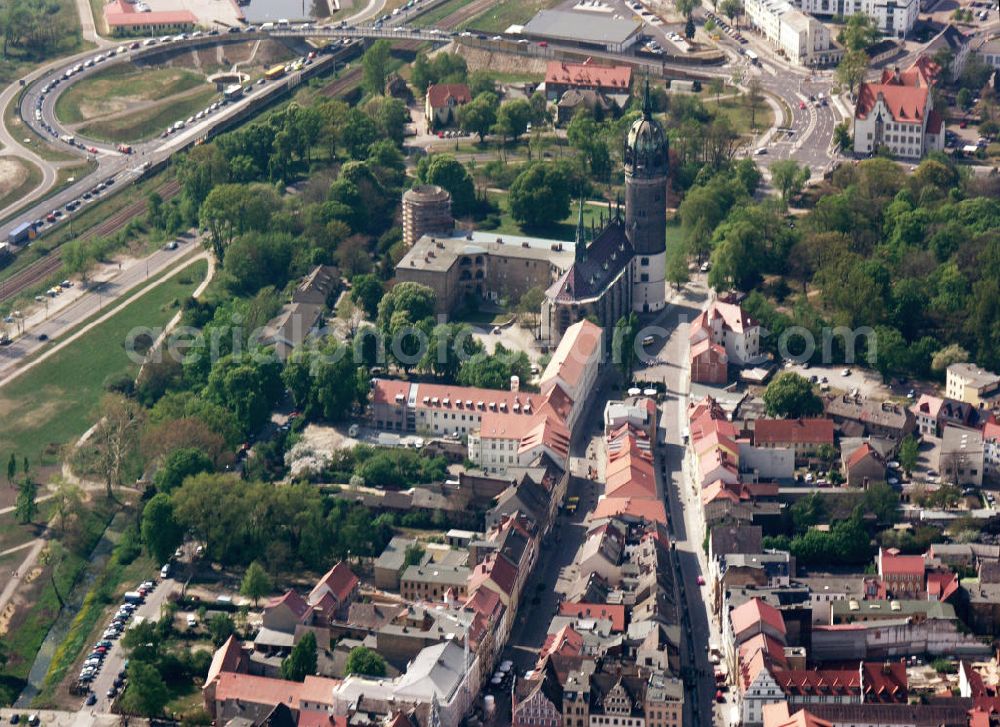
(898, 113)
(801, 38)
(892, 17)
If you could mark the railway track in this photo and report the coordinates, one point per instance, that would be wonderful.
(45, 267)
(458, 17)
(342, 85)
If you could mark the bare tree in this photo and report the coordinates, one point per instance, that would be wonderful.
(755, 97)
(117, 436)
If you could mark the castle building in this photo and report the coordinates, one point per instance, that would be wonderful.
(621, 269)
(426, 209)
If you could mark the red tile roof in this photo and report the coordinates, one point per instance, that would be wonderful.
(637, 507)
(793, 431)
(496, 570)
(314, 718)
(226, 659)
(439, 94)
(564, 642)
(589, 75)
(295, 603)
(754, 612)
(578, 345)
(613, 613)
(263, 690)
(828, 682)
(339, 580)
(893, 564)
(884, 682)
(860, 454)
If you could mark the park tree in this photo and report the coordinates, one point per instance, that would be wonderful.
(257, 260)
(947, 356)
(540, 195)
(178, 466)
(754, 99)
(256, 583)
(301, 662)
(11, 468)
(390, 117)
(852, 68)
(623, 344)
(116, 437)
(859, 33)
(220, 628)
(449, 345)
(689, 28)
(414, 300)
(231, 210)
(26, 505)
(790, 395)
(493, 371)
(731, 9)
(842, 136)
(677, 266)
(248, 386)
(479, 116)
(909, 453)
(513, 118)
(449, 174)
(375, 66)
(161, 532)
(789, 177)
(366, 292)
(365, 662)
(323, 381)
(146, 693)
(67, 498)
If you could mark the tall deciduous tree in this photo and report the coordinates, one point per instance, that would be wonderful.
(256, 583)
(301, 662)
(791, 395)
(160, 530)
(375, 66)
(117, 436)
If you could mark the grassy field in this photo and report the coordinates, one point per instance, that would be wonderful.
(149, 122)
(506, 13)
(54, 403)
(116, 88)
(739, 113)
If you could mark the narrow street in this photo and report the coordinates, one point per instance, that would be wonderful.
(683, 504)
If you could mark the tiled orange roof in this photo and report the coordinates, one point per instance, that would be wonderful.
(756, 611)
(793, 431)
(439, 93)
(615, 613)
(589, 75)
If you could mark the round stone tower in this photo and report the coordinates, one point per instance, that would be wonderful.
(426, 209)
(646, 169)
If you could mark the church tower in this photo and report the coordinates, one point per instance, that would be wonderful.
(646, 169)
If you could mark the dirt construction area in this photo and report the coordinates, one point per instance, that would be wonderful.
(13, 173)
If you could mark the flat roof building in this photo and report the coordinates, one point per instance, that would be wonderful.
(611, 34)
(971, 384)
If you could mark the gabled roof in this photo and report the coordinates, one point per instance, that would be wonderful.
(734, 318)
(564, 642)
(636, 507)
(905, 104)
(589, 74)
(578, 345)
(338, 581)
(862, 453)
(497, 570)
(439, 94)
(891, 563)
(226, 659)
(291, 600)
(754, 612)
(793, 431)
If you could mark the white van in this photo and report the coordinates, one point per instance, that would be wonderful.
(165, 571)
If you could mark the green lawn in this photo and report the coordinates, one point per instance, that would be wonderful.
(505, 13)
(149, 122)
(13, 533)
(54, 403)
(117, 87)
(739, 113)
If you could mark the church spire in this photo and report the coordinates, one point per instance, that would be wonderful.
(647, 102)
(580, 252)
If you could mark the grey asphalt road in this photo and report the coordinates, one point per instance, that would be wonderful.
(683, 504)
(99, 297)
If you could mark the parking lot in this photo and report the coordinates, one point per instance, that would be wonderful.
(103, 671)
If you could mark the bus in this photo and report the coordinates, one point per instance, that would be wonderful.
(233, 92)
(752, 56)
(274, 72)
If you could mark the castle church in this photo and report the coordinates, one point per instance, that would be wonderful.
(622, 269)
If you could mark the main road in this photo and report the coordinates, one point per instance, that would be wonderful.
(667, 362)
